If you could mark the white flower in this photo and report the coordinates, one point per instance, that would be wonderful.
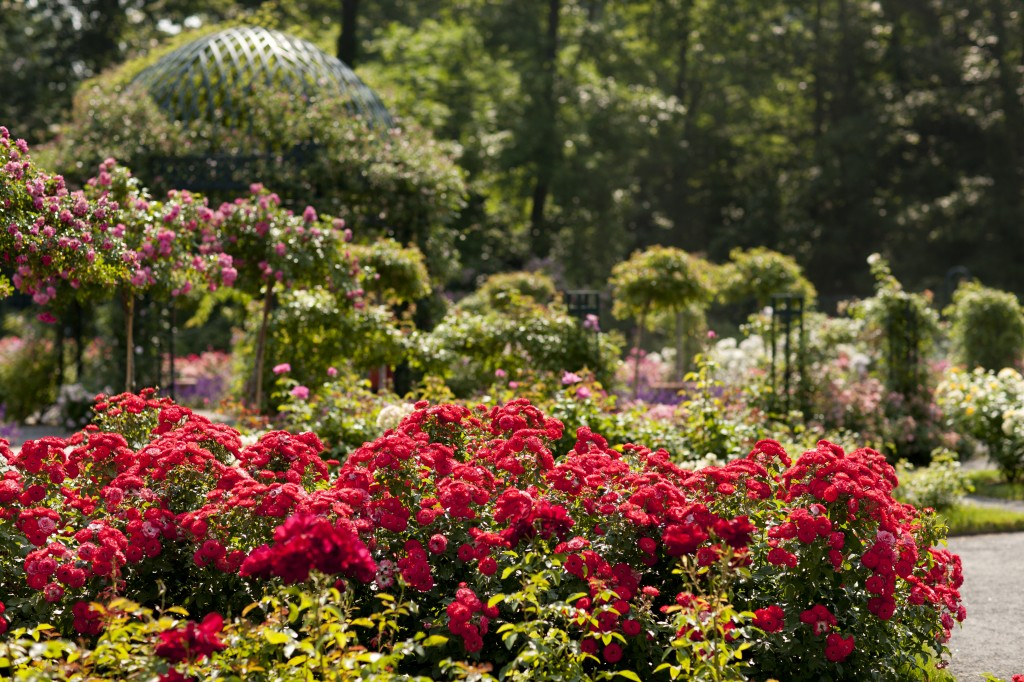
(392, 415)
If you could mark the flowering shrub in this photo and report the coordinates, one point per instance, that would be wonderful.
(273, 247)
(53, 239)
(202, 379)
(941, 485)
(985, 407)
(341, 410)
(468, 347)
(608, 559)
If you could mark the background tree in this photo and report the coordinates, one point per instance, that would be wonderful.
(659, 279)
(586, 129)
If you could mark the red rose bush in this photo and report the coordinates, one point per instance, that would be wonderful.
(602, 560)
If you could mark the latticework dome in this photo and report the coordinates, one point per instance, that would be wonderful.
(209, 79)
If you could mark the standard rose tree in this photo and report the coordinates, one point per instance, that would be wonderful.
(272, 247)
(168, 247)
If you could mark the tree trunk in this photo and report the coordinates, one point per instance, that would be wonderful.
(547, 147)
(819, 76)
(348, 39)
(58, 327)
(129, 335)
(172, 382)
(261, 345)
(679, 345)
(636, 353)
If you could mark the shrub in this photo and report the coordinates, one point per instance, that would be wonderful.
(985, 408)
(341, 410)
(756, 274)
(467, 348)
(598, 563)
(28, 368)
(901, 328)
(941, 485)
(511, 290)
(987, 327)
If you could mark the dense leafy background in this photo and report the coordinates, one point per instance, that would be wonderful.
(826, 129)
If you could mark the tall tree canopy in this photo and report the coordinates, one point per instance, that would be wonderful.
(824, 129)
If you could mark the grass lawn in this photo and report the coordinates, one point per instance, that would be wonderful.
(988, 483)
(970, 519)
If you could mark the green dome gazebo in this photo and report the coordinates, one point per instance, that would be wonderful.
(209, 78)
(212, 80)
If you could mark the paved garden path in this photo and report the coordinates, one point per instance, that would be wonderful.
(992, 638)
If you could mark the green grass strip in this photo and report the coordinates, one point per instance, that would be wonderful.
(974, 520)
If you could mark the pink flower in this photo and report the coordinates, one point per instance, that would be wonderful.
(582, 392)
(571, 378)
(500, 373)
(47, 318)
(332, 372)
(300, 392)
(282, 368)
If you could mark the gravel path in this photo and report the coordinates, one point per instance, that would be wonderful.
(992, 638)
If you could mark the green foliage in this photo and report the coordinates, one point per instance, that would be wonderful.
(659, 279)
(985, 408)
(758, 273)
(28, 367)
(510, 291)
(971, 519)
(901, 327)
(941, 485)
(710, 428)
(391, 273)
(294, 635)
(467, 348)
(341, 410)
(314, 329)
(990, 483)
(987, 327)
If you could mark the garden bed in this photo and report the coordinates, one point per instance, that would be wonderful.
(461, 541)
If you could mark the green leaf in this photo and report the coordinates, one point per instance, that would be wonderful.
(507, 572)
(629, 675)
(275, 637)
(495, 600)
(435, 640)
